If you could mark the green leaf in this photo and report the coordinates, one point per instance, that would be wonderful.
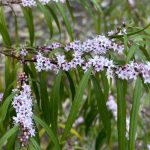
(4, 30)
(7, 135)
(7, 72)
(34, 142)
(102, 108)
(100, 139)
(71, 84)
(76, 104)
(121, 114)
(70, 10)
(12, 141)
(29, 20)
(10, 71)
(45, 104)
(55, 101)
(4, 107)
(131, 52)
(97, 5)
(96, 17)
(65, 18)
(105, 85)
(55, 18)
(16, 27)
(49, 131)
(134, 113)
(146, 54)
(90, 118)
(47, 16)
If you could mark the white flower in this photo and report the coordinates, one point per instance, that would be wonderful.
(112, 105)
(23, 52)
(145, 70)
(44, 2)
(148, 146)
(28, 3)
(127, 72)
(1, 96)
(22, 104)
(44, 63)
(60, 59)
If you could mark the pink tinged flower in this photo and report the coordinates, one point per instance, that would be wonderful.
(44, 63)
(1, 96)
(145, 70)
(66, 66)
(127, 72)
(109, 73)
(79, 120)
(23, 52)
(87, 66)
(112, 105)
(73, 64)
(60, 59)
(22, 104)
(44, 2)
(56, 45)
(28, 3)
(75, 45)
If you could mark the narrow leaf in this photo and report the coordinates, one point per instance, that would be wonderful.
(4, 107)
(54, 101)
(49, 131)
(4, 29)
(101, 103)
(34, 142)
(134, 113)
(121, 114)
(7, 135)
(47, 16)
(44, 97)
(76, 104)
(65, 18)
(29, 20)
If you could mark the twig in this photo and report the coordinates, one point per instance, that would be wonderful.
(17, 57)
(8, 2)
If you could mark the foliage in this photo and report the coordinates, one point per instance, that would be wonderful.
(101, 102)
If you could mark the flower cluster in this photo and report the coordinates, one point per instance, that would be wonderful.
(44, 63)
(99, 63)
(22, 104)
(87, 54)
(128, 71)
(30, 3)
(97, 45)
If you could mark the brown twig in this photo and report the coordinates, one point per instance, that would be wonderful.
(17, 57)
(22, 59)
(9, 2)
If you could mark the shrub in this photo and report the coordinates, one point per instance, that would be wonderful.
(58, 92)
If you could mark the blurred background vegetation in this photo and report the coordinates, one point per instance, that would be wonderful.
(84, 19)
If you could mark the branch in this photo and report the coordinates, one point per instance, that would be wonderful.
(9, 2)
(16, 57)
